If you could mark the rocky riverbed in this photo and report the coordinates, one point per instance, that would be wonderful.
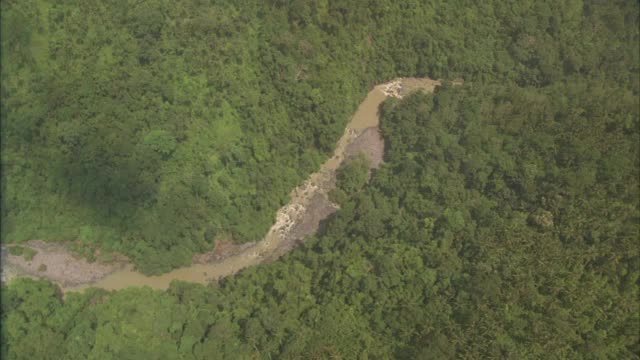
(309, 206)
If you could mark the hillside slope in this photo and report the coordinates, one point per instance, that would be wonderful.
(154, 128)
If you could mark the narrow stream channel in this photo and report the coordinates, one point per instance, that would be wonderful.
(302, 212)
(366, 116)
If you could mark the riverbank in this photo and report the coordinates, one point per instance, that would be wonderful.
(308, 207)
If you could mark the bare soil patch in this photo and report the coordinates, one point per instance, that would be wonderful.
(303, 216)
(318, 210)
(369, 143)
(402, 87)
(54, 262)
(222, 250)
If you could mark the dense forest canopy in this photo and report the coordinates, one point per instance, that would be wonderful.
(153, 128)
(504, 223)
(492, 232)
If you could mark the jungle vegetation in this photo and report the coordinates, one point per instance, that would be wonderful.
(503, 224)
(491, 232)
(154, 128)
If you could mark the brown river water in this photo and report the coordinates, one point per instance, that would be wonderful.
(366, 116)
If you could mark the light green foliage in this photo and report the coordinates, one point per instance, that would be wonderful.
(29, 253)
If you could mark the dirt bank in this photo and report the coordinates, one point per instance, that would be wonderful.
(53, 261)
(308, 207)
(369, 143)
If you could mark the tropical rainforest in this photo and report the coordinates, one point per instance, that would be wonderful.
(503, 224)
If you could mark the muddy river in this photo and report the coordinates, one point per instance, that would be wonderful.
(318, 184)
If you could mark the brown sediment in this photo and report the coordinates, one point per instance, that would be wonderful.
(369, 143)
(308, 207)
(55, 262)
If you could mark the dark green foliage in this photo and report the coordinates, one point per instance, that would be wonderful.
(28, 311)
(491, 232)
(351, 177)
(136, 126)
(16, 250)
(504, 223)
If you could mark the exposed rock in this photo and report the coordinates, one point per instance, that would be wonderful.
(309, 206)
(54, 262)
(371, 144)
(400, 88)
